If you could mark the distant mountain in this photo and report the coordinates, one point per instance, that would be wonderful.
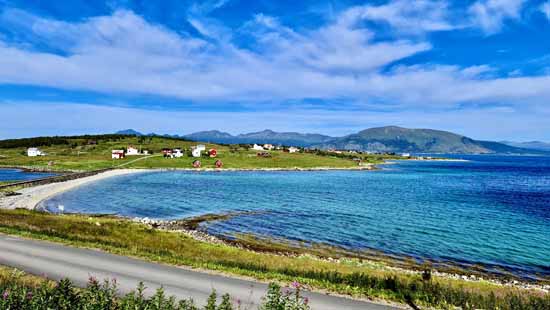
(532, 145)
(398, 139)
(211, 136)
(129, 132)
(265, 136)
(380, 139)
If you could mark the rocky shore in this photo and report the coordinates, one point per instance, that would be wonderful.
(192, 230)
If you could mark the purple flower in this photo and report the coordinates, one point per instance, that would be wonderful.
(295, 284)
(6, 294)
(306, 300)
(29, 295)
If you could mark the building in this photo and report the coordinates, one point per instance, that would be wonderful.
(117, 154)
(269, 147)
(219, 164)
(196, 150)
(406, 155)
(167, 153)
(130, 151)
(197, 164)
(34, 151)
(177, 153)
(293, 149)
(256, 147)
(213, 153)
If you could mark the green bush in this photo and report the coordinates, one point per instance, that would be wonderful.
(104, 296)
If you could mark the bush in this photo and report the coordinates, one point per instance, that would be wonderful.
(103, 296)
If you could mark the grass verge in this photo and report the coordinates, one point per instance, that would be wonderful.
(352, 277)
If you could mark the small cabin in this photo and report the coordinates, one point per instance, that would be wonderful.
(293, 149)
(197, 150)
(197, 164)
(34, 151)
(117, 154)
(257, 147)
(131, 151)
(177, 153)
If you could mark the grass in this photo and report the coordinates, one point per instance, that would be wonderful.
(80, 156)
(353, 277)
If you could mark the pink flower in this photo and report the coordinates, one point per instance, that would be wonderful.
(295, 284)
(29, 295)
(306, 300)
(6, 294)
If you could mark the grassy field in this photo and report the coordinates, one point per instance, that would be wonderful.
(79, 155)
(353, 277)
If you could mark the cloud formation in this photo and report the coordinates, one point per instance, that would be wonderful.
(343, 59)
(545, 8)
(490, 15)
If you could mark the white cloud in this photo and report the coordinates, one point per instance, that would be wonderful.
(490, 15)
(545, 8)
(408, 16)
(123, 53)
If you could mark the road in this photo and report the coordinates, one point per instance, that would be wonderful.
(58, 261)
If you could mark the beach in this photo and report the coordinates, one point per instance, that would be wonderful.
(30, 197)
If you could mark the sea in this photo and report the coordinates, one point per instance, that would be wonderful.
(484, 210)
(21, 175)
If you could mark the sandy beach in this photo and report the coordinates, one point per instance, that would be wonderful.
(31, 196)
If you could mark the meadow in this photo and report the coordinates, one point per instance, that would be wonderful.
(94, 152)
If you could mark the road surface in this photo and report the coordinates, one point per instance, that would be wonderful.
(57, 261)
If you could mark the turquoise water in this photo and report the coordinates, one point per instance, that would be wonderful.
(491, 210)
(21, 175)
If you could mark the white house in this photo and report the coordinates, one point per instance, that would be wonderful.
(34, 151)
(293, 149)
(132, 151)
(177, 153)
(406, 155)
(269, 147)
(196, 150)
(256, 147)
(117, 154)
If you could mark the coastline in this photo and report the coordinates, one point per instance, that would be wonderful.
(31, 197)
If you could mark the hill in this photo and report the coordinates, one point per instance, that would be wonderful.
(398, 139)
(532, 145)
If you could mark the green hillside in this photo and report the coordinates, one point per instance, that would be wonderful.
(94, 152)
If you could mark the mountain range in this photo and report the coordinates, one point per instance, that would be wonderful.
(379, 139)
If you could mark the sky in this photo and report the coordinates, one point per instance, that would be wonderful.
(478, 68)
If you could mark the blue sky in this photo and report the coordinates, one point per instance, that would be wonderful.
(479, 68)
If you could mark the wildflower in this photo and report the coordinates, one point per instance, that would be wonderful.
(306, 300)
(29, 295)
(6, 295)
(296, 284)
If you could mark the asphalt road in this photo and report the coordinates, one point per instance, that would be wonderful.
(57, 261)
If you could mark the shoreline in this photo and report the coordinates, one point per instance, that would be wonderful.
(191, 227)
(31, 198)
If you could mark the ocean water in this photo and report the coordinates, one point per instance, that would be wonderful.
(20, 175)
(490, 210)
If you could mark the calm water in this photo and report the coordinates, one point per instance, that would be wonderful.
(493, 210)
(20, 175)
